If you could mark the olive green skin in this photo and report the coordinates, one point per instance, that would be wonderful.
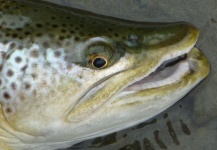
(58, 97)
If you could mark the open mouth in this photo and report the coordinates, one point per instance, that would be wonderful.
(170, 71)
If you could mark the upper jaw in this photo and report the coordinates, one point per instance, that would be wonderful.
(168, 72)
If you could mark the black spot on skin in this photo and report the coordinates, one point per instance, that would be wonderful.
(20, 47)
(68, 17)
(8, 110)
(6, 95)
(180, 106)
(34, 65)
(21, 18)
(35, 10)
(27, 25)
(21, 37)
(53, 18)
(18, 59)
(12, 24)
(7, 34)
(34, 53)
(3, 23)
(61, 38)
(51, 36)
(22, 97)
(135, 146)
(81, 33)
(172, 133)
(147, 144)
(90, 34)
(39, 25)
(71, 25)
(57, 54)
(19, 29)
(77, 38)
(81, 25)
(34, 76)
(116, 34)
(38, 34)
(72, 31)
(13, 86)
(24, 68)
(146, 123)
(124, 38)
(5, 42)
(93, 22)
(14, 35)
(27, 86)
(12, 46)
(63, 31)
(64, 25)
(185, 128)
(110, 29)
(55, 26)
(59, 44)
(10, 73)
(27, 33)
(77, 28)
(158, 140)
(46, 45)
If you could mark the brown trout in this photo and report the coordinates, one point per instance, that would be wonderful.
(67, 75)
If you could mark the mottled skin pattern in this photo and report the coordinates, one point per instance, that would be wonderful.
(52, 96)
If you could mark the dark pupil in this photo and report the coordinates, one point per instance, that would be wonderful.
(99, 62)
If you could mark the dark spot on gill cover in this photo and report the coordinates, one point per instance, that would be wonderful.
(172, 133)
(158, 140)
(147, 144)
(8, 110)
(135, 146)
(185, 128)
(142, 125)
(103, 141)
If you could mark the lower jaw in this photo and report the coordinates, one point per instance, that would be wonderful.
(174, 73)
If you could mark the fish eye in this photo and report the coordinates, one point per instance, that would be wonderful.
(98, 61)
(99, 55)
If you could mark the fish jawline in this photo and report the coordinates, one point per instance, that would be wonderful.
(173, 70)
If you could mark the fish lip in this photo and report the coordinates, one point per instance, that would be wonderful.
(134, 86)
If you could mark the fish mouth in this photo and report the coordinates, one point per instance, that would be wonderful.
(168, 72)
